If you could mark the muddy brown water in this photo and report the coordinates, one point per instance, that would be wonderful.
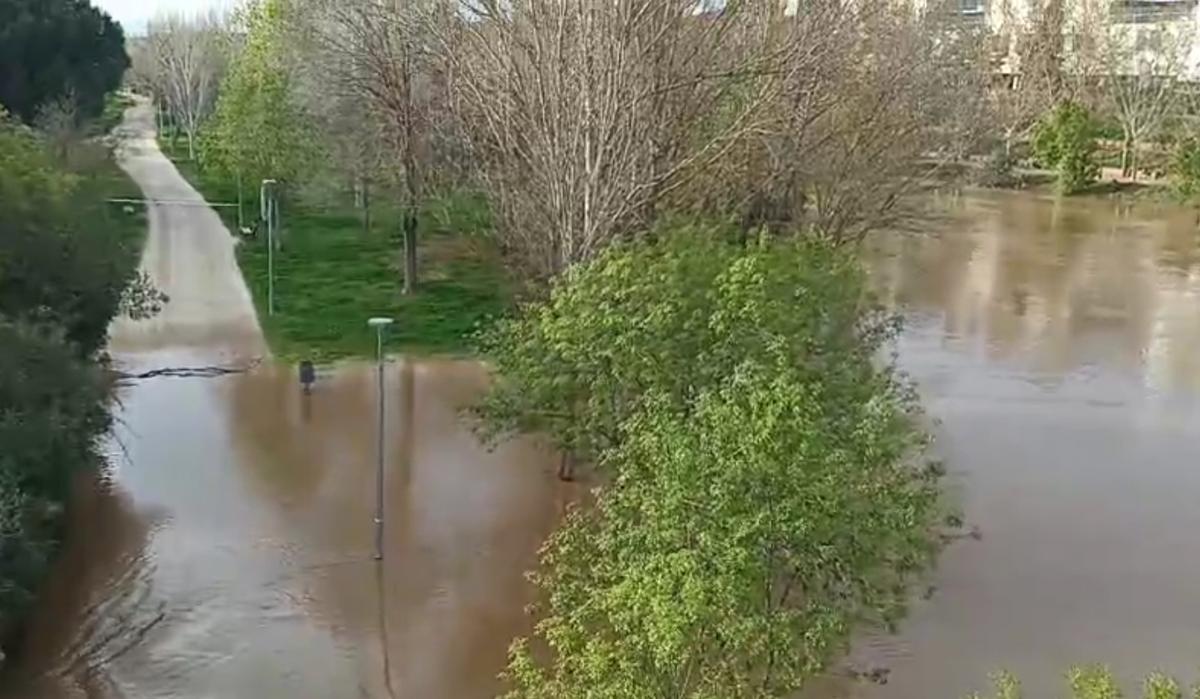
(1058, 345)
(228, 550)
(227, 553)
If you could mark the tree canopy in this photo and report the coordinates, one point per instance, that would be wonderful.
(67, 262)
(256, 129)
(55, 49)
(763, 492)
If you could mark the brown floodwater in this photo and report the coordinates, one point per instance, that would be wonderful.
(1057, 345)
(227, 551)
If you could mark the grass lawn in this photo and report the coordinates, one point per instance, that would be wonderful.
(331, 275)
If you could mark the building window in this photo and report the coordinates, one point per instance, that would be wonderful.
(1147, 11)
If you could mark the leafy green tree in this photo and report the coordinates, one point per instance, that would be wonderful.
(1065, 141)
(666, 317)
(65, 267)
(52, 409)
(1185, 169)
(764, 493)
(53, 49)
(257, 130)
(64, 258)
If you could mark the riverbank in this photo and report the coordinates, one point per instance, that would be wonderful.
(67, 255)
(332, 273)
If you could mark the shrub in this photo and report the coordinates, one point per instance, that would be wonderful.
(998, 169)
(66, 258)
(762, 497)
(1065, 141)
(1095, 682)
(1185, 169)
(66, 263)
(52, 409)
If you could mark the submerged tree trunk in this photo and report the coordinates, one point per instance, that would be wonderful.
(566, 467)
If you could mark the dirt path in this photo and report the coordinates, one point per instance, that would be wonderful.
(228, 550)
(190, 256)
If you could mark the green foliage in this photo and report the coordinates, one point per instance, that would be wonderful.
(1065, 141)
(661, 317)
(761, 496)
(53, 49)
(257, 130)
(1096, 682)
(1185, 169)
(66, 259)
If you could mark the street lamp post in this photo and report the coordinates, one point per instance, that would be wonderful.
(269, 210)
(380, 325)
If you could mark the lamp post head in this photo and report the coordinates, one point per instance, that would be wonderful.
(379, 323)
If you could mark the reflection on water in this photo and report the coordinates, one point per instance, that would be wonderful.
(1058, 346)
(231, 557)
(1056, 286)
(228, 553)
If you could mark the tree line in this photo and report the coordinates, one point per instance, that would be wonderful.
(584, 125)
(673, 185)
(67, 267)
(679, 192)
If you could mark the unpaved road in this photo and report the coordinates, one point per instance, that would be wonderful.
(227, 552)
(189, 255)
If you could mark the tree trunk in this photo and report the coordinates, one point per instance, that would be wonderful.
(410, 251)
(566, 467)
(1133, 159)
(191, 139)
(366, 206)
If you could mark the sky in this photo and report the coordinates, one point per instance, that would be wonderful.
(132, 14)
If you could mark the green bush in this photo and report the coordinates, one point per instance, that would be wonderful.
(999, 169)
(652, 317)
(761, 494)
(1096, 682)
(1185, 169)
(66, 263)
(52, 410)
(1065, 141)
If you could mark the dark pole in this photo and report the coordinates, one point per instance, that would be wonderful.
(380, 325)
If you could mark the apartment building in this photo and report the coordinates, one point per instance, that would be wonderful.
(1134, 36)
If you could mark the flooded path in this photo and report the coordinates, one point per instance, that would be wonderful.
(228, 551)
(1058, 344)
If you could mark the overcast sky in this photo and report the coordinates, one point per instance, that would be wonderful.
(132, 14)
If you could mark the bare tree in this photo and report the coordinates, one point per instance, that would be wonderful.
(376, 57)
(1138, 68)
(584, 117)
(873, 101)
(1027, 62)
(184, 59)
(589, 119)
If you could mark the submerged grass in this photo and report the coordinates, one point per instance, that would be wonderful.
(331, 274)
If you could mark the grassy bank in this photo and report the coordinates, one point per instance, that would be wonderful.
(331, 274)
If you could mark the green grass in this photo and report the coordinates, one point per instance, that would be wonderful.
(331, 275)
